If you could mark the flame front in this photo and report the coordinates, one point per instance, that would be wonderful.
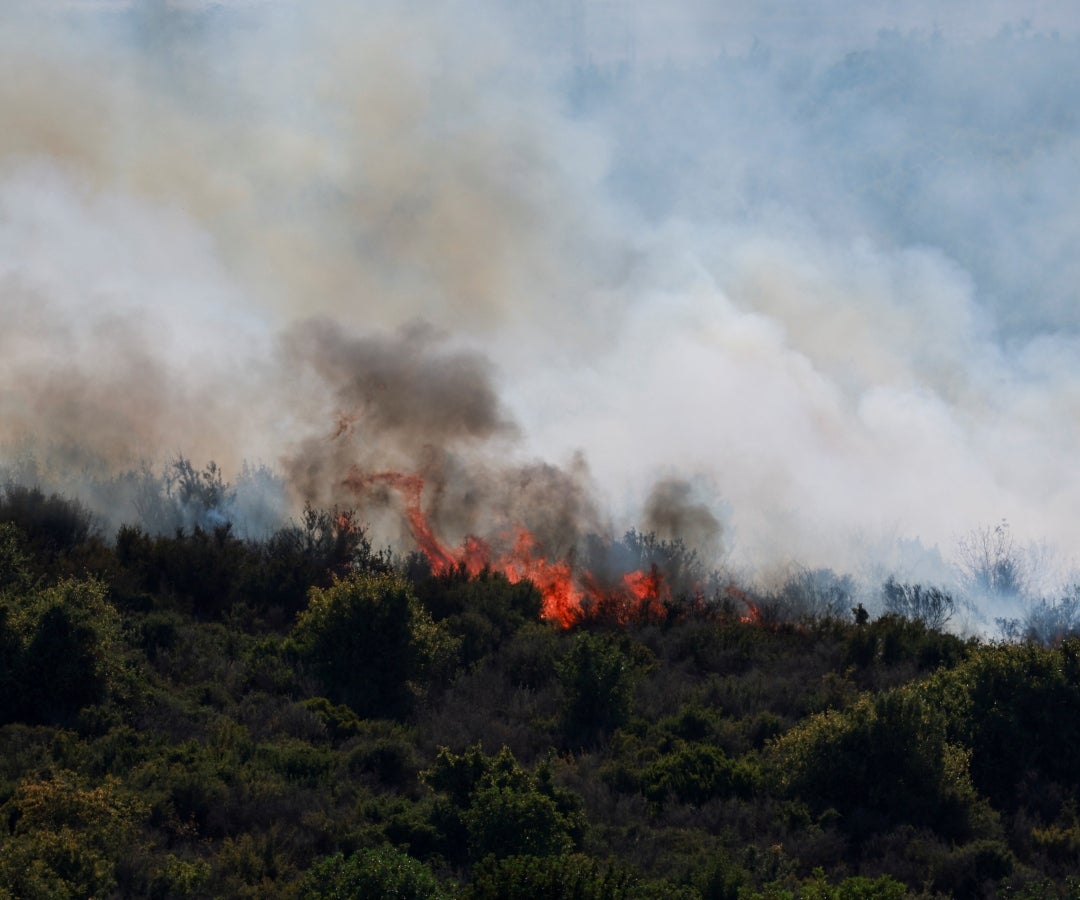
(568, 596)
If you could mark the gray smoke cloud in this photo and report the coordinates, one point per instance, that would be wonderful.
(819, 260)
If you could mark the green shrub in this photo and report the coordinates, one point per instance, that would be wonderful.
(1018, 708)
(883, 760)
(500, 809)
(383, 872)
(597, 680)
(572, 877)
(696, 773)
(59, 650)
(370, 643)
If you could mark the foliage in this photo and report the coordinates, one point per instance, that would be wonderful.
(883, 760)
(204, 714)
(502, 809)
(69, 839)
(597, 681)
(382, 872)
(370, 643)
(694, 772)
(59, 650)
(482, 612)
(1018, 708)
(893, 640)
(51, 525)
(570, 877)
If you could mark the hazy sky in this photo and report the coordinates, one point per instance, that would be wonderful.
(817, 261)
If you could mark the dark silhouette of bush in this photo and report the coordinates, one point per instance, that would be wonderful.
(892, 639)
(930, 605)
(973, 870)
(324, 545)
(483, 612)
(59, 650)
(51, 526)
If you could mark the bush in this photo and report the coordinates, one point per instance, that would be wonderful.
(52, 525)
(695, 773)
(59, 651)
(572, 877)
(383, 872)
(500, 809)
(931, 606)
(883, 760)
(370, 643)
(596, 678)
(1018, 708)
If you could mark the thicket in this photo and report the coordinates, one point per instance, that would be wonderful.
(197, 714)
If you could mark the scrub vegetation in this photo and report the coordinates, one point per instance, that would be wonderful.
(301, 716)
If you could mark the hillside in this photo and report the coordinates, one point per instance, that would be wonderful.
(198, 715)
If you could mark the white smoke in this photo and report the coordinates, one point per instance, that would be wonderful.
(819, 264)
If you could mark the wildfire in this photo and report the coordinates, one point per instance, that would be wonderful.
(568, 596)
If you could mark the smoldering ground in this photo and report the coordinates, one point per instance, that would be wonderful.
(829, 282)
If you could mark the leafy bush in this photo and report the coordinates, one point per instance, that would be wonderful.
(893, 639)
(501, 809)
(597, 679)
(1018, 708)
(67, 837)
(384, 872)
(571, 877)
(370, 643)
(59, 650)
(52, 525)
(881, 761)
(695, 773)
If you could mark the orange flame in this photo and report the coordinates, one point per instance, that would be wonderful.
(568, 597)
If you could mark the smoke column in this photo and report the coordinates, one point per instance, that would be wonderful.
(799, 284)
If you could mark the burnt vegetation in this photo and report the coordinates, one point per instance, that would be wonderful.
(195, 713)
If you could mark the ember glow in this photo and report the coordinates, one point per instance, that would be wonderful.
(569, 595)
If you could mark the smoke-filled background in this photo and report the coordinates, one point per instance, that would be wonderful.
(798, 283)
